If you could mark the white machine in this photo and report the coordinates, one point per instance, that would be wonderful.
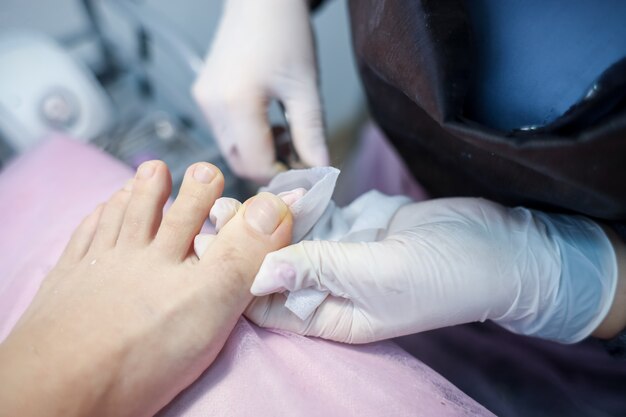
(44, 89)
(135, 103)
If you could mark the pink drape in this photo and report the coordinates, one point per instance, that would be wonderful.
(43, 196)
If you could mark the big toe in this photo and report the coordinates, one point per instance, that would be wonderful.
(262, 225)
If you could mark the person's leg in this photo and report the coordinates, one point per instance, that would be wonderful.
(130, 316)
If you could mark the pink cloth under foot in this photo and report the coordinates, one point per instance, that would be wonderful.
(44, 195)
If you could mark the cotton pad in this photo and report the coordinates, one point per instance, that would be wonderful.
(304, 302)
(317, 217)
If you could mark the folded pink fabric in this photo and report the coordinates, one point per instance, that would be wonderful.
(44, 195)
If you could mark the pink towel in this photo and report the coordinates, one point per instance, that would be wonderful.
(44, 195)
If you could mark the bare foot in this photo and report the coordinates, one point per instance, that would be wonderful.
(130, 316)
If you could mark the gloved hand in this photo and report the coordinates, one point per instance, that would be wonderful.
(262, 50)
(445, 262)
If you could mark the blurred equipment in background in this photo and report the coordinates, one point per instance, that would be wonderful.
(43, 88)
(134, 102)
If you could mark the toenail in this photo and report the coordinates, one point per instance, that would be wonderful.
(264, 214)
(203, 173)
(145, 171)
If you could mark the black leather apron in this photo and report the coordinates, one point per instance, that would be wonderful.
(415, 61)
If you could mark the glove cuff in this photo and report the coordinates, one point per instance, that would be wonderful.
(587, 283)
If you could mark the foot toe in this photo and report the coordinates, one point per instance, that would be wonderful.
(81, 239)
(262, 225)
(112, 218)
(151, 188)
(202, 185)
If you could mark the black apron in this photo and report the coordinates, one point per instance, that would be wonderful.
(415, 61)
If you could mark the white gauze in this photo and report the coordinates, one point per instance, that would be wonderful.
(317, 217)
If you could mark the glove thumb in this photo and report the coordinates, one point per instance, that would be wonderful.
(345, 269)
(349, 271)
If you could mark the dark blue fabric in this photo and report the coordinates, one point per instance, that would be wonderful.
(536, 58)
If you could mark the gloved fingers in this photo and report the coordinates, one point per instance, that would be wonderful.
(222, 211)
(244, 135)
(333, 319)
(306, 122)
(351, 270)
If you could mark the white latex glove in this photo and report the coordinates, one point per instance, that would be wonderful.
(445, 262)
(262, 50)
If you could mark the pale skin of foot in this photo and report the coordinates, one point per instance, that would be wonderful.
(129, 316)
